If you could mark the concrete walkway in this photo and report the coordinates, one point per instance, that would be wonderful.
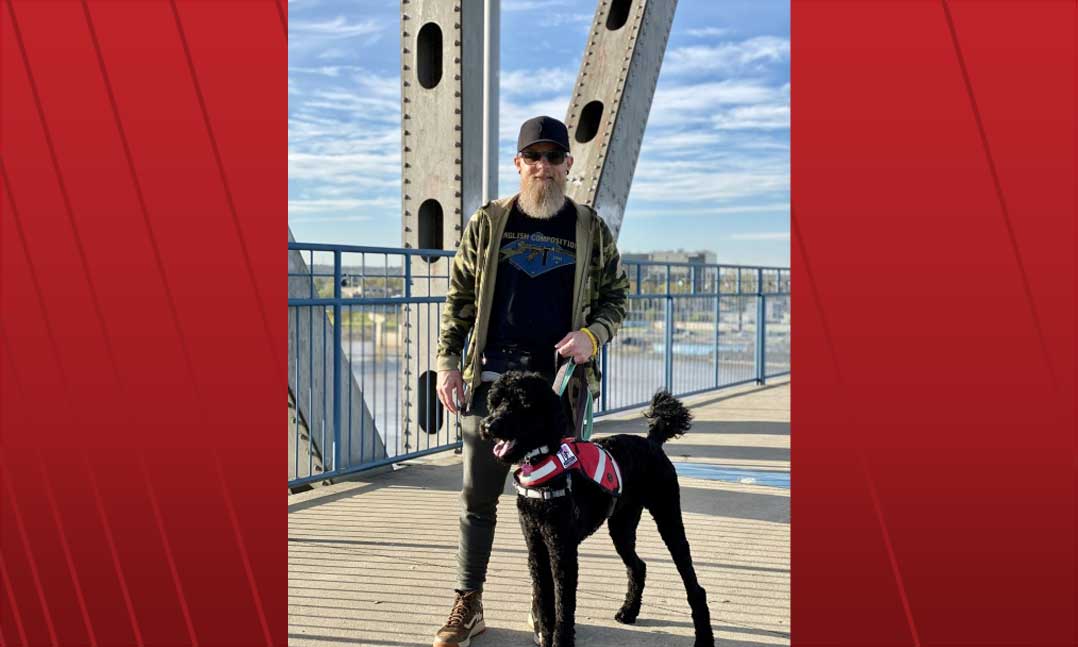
(372, 562)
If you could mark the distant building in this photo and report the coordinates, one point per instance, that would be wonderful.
(653, 278)
(678, 256)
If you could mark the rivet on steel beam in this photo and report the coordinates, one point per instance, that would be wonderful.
(407, 149)
(456, 59)
(406, 51)
(456, 194)
(457, 210)
(407, 245)
(406, 116)
(407, 181)
(456, 25)
(457, 161)
(407, 197)
(456, 178)
(456, 77)
(404, 16)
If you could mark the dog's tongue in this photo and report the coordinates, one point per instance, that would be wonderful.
(502, 447)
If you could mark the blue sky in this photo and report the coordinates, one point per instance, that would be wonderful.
(714, 168)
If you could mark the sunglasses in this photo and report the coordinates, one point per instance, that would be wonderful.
(554, 157)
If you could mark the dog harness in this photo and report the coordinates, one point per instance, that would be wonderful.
(581, 456)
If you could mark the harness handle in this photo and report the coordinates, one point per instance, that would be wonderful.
(587, 423)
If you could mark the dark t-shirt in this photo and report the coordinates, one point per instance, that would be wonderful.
(533, 292)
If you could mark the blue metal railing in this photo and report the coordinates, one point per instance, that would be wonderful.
(363, 325)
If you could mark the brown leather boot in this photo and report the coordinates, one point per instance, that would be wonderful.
(465, 621)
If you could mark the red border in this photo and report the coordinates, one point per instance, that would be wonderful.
(933, 236)
(144, 210)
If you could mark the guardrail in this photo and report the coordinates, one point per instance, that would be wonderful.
(363, 325)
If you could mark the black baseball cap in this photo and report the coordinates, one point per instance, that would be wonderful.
(543, 129)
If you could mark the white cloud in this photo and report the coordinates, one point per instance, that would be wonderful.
(303, 221)
(708, 32)
(727, 58)
(331, 71)
(696, 103)
(529, 82)
(343, 145)
(333, 29)
(533, 5)
(737, 210)
(560, 19)
(334, 53)
(363, 97)
(765, 117)
(322, 205)
(719, 183)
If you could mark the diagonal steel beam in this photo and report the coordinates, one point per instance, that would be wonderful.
(609, 107)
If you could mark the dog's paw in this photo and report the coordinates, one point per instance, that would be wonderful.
(626, 616)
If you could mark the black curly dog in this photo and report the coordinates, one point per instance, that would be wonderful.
(526, 414)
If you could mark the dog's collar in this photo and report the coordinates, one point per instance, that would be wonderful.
(541, 450)
(545, 494)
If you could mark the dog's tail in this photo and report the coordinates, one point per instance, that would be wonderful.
(667, 417)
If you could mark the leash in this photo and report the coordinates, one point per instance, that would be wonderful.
(586, 427)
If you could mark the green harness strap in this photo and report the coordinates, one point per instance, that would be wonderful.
(585, 432)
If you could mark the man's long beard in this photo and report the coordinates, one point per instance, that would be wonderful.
(542, 199)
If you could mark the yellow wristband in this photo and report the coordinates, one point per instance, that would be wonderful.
(594, 341)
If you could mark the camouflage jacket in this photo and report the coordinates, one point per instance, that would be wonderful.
(599, 288)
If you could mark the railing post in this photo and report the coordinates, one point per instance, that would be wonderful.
(760, 328)
(718, 322)
(337, 360)
(740, 303)
(668, 355)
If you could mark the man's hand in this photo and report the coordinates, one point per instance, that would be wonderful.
(576, 345)
(450, 389)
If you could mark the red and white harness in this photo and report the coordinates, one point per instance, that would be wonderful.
(582, 456)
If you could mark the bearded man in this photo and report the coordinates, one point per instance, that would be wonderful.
(536, 277)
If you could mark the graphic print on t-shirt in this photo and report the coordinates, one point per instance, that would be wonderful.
(536, 253)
